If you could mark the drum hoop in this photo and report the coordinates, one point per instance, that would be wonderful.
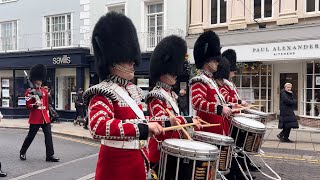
(247, 128)
(212, 141)
(256, 112)
(206, 157)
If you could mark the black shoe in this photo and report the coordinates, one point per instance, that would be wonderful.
(52, 159)
(3, 174)
(287, 140)
(23, 157)
(85, 127)
(281, 138)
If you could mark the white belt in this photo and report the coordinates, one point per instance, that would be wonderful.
(135, 144)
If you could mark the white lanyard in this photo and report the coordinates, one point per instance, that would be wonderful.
(170, 100)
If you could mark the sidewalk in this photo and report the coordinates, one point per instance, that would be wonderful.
(305, 138)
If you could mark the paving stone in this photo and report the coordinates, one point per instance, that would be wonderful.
(270, 144)
(305, 146)
(315, 137)
(287, 145)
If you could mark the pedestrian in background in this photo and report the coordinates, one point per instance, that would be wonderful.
(287, 119)
(183, 102)
(2, 174)
(79, 103)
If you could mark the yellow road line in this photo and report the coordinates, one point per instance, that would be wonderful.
(313, 161)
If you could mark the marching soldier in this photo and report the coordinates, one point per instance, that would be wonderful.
(167, 62)
(2, 174)
(114, 105)
(37, 103)
(206, 98)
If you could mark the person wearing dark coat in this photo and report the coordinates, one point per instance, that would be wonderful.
(183, 102)
(79, 103)
(287, 119)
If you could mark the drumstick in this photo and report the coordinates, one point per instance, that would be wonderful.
(179, 126)
(239, 109)
(204, 122)
(177, 120)
(210, 125)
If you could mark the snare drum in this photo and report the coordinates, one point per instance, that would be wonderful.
(224, 144)
(185, 160)
(263, 116)
(247, 133)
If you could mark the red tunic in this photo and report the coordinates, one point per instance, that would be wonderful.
(111, 118)
(205, 100)
(40, 115)
(157, 105)
(229, 92)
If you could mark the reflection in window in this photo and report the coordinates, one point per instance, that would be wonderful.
(65, 88)
(312, 90)
(310, 5)
(6, 81)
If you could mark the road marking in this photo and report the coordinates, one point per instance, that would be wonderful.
(89, 176)
(77, 140)
(312, 161)
(53, 167)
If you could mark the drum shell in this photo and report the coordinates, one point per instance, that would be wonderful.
(183, 163)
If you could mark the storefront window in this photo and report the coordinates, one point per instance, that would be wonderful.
(254, 84)
(7, 89)
(21, 85)
(142, 82)
(311, 102)
(65, 88)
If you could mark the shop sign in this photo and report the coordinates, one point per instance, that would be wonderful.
(65, 59)
(278, 51)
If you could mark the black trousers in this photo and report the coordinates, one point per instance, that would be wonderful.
(285, 133)
(33, 129)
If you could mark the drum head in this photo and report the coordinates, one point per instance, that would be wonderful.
(251, 116)
(213, 138)
(190, 149)
(248, 124)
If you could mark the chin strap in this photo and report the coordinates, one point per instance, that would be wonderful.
(123, 69)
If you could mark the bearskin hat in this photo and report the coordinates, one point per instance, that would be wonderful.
(114, 40)
(206, 48)
(38, 72)
(168, 57)
(223, 70)
(231, 55)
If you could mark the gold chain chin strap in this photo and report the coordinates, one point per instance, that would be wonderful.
(122, 69)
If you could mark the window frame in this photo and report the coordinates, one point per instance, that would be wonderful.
(149, 45)
(116, 6)
(316, 5)
(218, 13)
(14, 32)
(260, 101)
(45, 39)
(9, 1)
(262, 10)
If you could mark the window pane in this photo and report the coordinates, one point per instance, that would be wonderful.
(317, 81)
(269, 107)
(269, 94)
(223, 11)
(245, 81)
(263, 69)
(257, 9)
(256, 93)
(263, 94)
(236, 81)
(160, 20)
(310, 68)
(255, 81)
(214, 11)
(159, 7)
(267, 8)
(311, 5)
(317, 68)
(309, 81)
(269, 69)
(309, 96)
(7, 90)
(269, 81)
(308, 109)
(264, 81)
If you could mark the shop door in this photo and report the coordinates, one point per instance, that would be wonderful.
(293, 79)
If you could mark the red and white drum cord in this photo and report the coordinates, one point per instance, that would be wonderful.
(242, 171)
(266, 175)
(222, 176)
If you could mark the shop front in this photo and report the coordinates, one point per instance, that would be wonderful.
(265, 68)
(67, 71)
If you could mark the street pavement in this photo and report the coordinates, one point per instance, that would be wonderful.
(298, 160)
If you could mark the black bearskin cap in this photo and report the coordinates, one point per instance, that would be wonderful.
(231, 55)
(114, 40)
(38, 72)
(223, 69)
(206, 48)
(168, 57)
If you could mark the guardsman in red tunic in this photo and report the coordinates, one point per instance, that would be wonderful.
(114, 105)
(167, 62)
(37, 103)
(228, 88)
(206, 98)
